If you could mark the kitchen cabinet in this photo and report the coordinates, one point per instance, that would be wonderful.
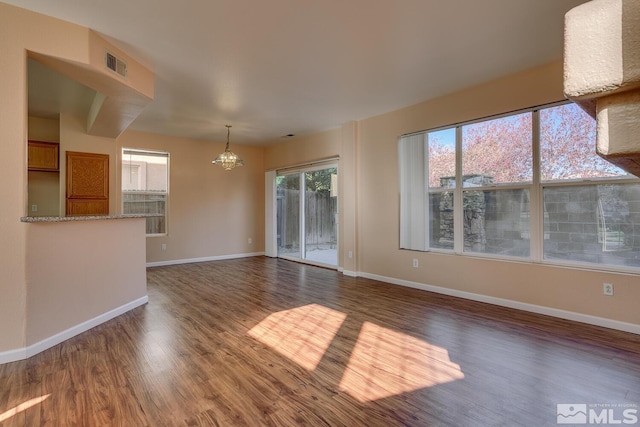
(44, 156)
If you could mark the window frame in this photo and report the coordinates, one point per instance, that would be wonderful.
(536, 190)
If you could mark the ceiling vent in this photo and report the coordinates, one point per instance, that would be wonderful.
(115, 64)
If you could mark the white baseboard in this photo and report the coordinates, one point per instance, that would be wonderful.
(25, 353)
(548, 311)
(13, 355)
(351, 273)
(204, 259)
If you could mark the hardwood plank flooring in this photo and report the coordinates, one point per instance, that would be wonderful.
(267, 342)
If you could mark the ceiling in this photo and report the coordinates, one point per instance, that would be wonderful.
(279, 67)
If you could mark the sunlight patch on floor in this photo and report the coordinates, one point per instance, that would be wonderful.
(385, 363)
(22, 407)
(301, 334)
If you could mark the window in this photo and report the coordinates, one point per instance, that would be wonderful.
(567, 146)
(527, 185)
(145, 185)
(441, 149)
(497, 151)
(591, 207)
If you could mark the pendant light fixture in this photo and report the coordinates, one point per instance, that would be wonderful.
(228, 160)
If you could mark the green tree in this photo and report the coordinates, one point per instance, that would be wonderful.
(320, 180)
(501, 148)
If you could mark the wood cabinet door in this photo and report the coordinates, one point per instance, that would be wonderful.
(43, 156)
(87, 184)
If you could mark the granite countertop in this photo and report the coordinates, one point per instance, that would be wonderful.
(81, 218)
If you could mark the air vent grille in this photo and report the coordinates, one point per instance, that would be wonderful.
(115, 64)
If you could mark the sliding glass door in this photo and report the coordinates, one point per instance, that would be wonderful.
(288, 196)
(307, 208)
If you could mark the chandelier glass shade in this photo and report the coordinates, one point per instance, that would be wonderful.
(228, 160)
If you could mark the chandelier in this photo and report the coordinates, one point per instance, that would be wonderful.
(228, 160)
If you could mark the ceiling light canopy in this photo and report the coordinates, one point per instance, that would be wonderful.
(228, 160)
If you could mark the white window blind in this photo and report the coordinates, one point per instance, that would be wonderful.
(414, 214)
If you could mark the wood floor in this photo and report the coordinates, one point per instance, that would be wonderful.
(262, 341)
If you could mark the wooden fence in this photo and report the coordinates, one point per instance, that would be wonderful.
(320, 219)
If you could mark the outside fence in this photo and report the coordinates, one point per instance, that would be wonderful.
(320, 223)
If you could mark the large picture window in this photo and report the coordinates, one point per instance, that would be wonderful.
(145, 186)
(527, 185)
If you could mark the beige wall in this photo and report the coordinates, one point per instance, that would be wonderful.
(348, 200)
(212, 212)
(41, 129)
(44, 192)
(303, 149)
(21, 30)
(71, 276)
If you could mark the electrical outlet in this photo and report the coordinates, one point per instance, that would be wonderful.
(164, 246)
(607, 289)
(34, 208)
(249, 240)
(350, 254)
(415, 263)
